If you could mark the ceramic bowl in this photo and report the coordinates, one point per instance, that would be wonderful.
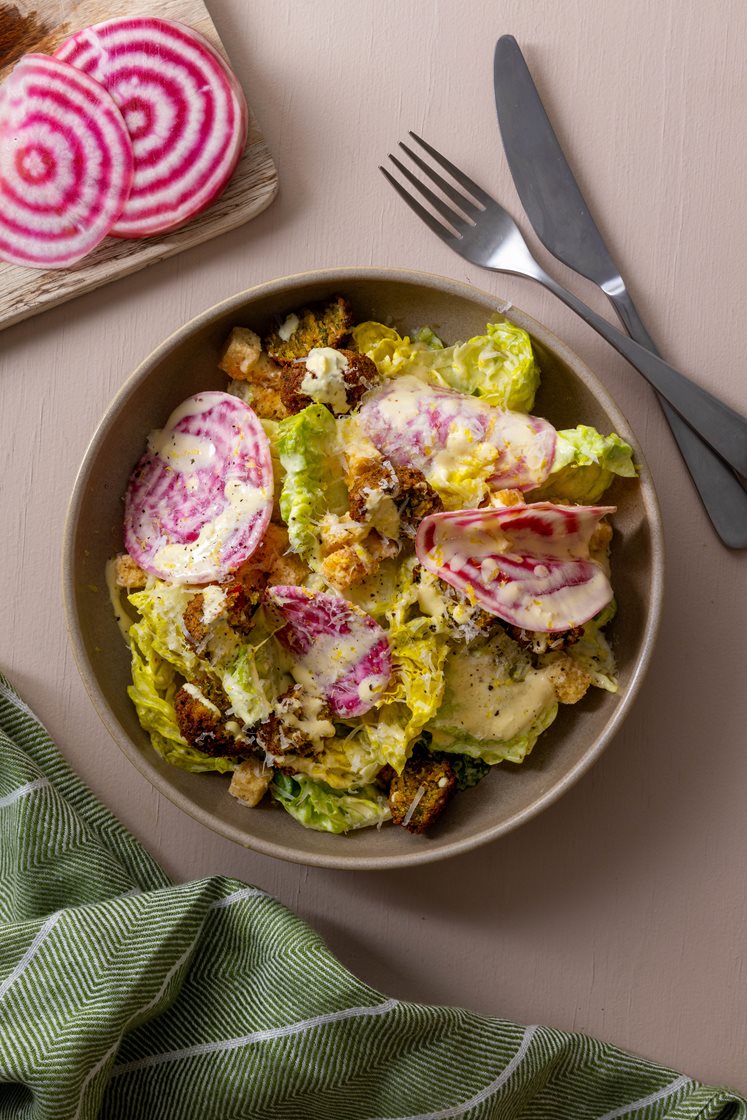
(186, 363)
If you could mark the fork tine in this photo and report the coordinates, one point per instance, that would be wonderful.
(470, 208)
(447, 212)
(464, 180)
(425, 215)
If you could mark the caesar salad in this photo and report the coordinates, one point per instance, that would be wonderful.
(365, 573)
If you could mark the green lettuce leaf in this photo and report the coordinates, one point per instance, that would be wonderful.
(593, 653)
(315, 805)
(154, 685)
(493, 751)
(498, 366)
(585, 465)
(314, 482)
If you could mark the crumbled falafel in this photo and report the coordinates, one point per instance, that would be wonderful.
(539, 642)
(425, 786)
(234, 610)
(408, 488)
(359, 376)
(325, 326)
(201, 724)
(297, 726)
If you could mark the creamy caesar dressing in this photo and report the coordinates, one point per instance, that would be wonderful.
(213, 603)
(243, 503)
(116, 598)
(287, 329)
(324, 379)
(182, 451)
(482, 700)
(331, 657)
(310, 719)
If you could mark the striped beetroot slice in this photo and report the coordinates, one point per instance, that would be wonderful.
(184, 108)
(528, 564)
(200, 499)
(66, 164)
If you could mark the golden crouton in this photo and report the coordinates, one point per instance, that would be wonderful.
(309, 328)
(570, 681)
(272, 563)
(351, 564)
(507, 498)
(243, 359)
(250, 781)
(359, 376)
(419, 795)
(129, 574)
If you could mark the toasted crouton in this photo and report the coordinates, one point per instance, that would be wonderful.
(351, 564)
(340, 392)
(271, 563)
(304, 330)
(419, 795)
(569, 679)
(129, 574)
(243, 359)
(250, 781)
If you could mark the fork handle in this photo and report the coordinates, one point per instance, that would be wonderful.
(722, 494)
(720, 426)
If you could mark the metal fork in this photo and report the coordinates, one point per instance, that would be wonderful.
(481, 231)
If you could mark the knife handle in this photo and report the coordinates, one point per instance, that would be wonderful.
(720, 426)
(722, 494)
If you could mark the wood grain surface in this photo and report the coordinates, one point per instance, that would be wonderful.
(254, 184)
(622, 910)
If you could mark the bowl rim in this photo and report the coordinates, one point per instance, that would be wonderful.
(338, 277)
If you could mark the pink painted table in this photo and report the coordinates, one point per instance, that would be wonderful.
(622, 911)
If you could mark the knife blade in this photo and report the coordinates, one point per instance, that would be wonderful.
(562, 221)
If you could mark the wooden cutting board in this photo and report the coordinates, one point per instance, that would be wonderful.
(25, 291)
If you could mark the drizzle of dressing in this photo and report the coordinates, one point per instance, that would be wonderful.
(244, 501)
(116, 597)
(288, 328)
(324, 381)
(183, 451)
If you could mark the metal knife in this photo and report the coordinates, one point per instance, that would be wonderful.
(562, 221)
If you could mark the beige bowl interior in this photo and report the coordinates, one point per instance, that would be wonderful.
(185, 364)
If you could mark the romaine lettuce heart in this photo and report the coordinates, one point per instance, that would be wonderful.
(527, 564)
(338, 650)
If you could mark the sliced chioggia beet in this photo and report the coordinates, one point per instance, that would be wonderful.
(184, 108)
(200, 499)
(528, 564)
(338, 650)
(66, 164)
(442, 432)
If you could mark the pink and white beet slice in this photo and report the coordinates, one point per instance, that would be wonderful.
(337, 648)
(200, 499)
(184, 108)
(414, 424)
(66, 164)
(528, 564)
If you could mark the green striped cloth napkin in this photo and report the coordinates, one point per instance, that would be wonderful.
(124, 995)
